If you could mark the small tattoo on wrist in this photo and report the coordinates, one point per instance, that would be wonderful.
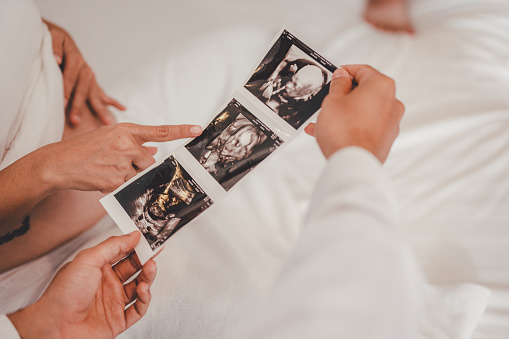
(25, 225)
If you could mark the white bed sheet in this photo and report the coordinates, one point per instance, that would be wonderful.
(450, 164)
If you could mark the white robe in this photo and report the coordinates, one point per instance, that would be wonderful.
(31, 90)
(31, 116)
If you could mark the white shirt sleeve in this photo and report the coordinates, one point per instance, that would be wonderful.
(351, 274)
(7, 329)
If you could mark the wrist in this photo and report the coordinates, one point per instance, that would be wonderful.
(46, 170)
(30, 323)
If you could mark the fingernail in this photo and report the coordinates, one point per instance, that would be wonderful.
(195, 130)
(339, 72)
(132, 233)
(58, 58)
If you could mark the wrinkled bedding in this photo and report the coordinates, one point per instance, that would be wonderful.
(450, 164)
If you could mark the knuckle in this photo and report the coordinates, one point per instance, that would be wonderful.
(150, 160)
(123, 168)
(401, 108)
(369, 68)
(86, 72)
(123, 143)
(69, 78)
(162, 131)
(389, 84)
(115, 183)
(124, 127)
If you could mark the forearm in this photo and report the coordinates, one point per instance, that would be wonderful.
(24, 184)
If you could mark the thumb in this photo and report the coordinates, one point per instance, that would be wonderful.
(109, 251)
(164, 132)
(341, 82)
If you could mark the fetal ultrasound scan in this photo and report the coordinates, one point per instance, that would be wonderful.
(163, 200)
(292, 80)
(282, 94)
(233, 144)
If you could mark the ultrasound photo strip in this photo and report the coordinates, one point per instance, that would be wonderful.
(281, 95)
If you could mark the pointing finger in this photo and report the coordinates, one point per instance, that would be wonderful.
(165, 132)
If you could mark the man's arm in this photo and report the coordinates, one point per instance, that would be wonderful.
(351, 274)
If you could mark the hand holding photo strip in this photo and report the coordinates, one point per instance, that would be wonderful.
(281, 95)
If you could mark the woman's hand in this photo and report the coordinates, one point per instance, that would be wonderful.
(105, 158)
(80, 85)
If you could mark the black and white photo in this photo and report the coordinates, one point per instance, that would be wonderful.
(163, 200)
(233, 144)
(282, 94)
(292, 80)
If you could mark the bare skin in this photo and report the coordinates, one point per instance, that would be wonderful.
(52, 194)
(88, 297)
(389, 15)
(61, 216)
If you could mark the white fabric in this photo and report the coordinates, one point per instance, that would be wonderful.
(452, 311)
(23, 285)
(7, 328)
(449, 165)
(31, 91)
(31, 116)
(351, 267)
(440, 77)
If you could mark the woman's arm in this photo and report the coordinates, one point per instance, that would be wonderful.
(24, 184)
(100, 160)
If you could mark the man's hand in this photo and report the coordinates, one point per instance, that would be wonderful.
(87, 297)
(105, 158)
(80, 85)
(367, 116)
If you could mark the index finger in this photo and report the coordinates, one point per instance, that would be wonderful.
(164, 133)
